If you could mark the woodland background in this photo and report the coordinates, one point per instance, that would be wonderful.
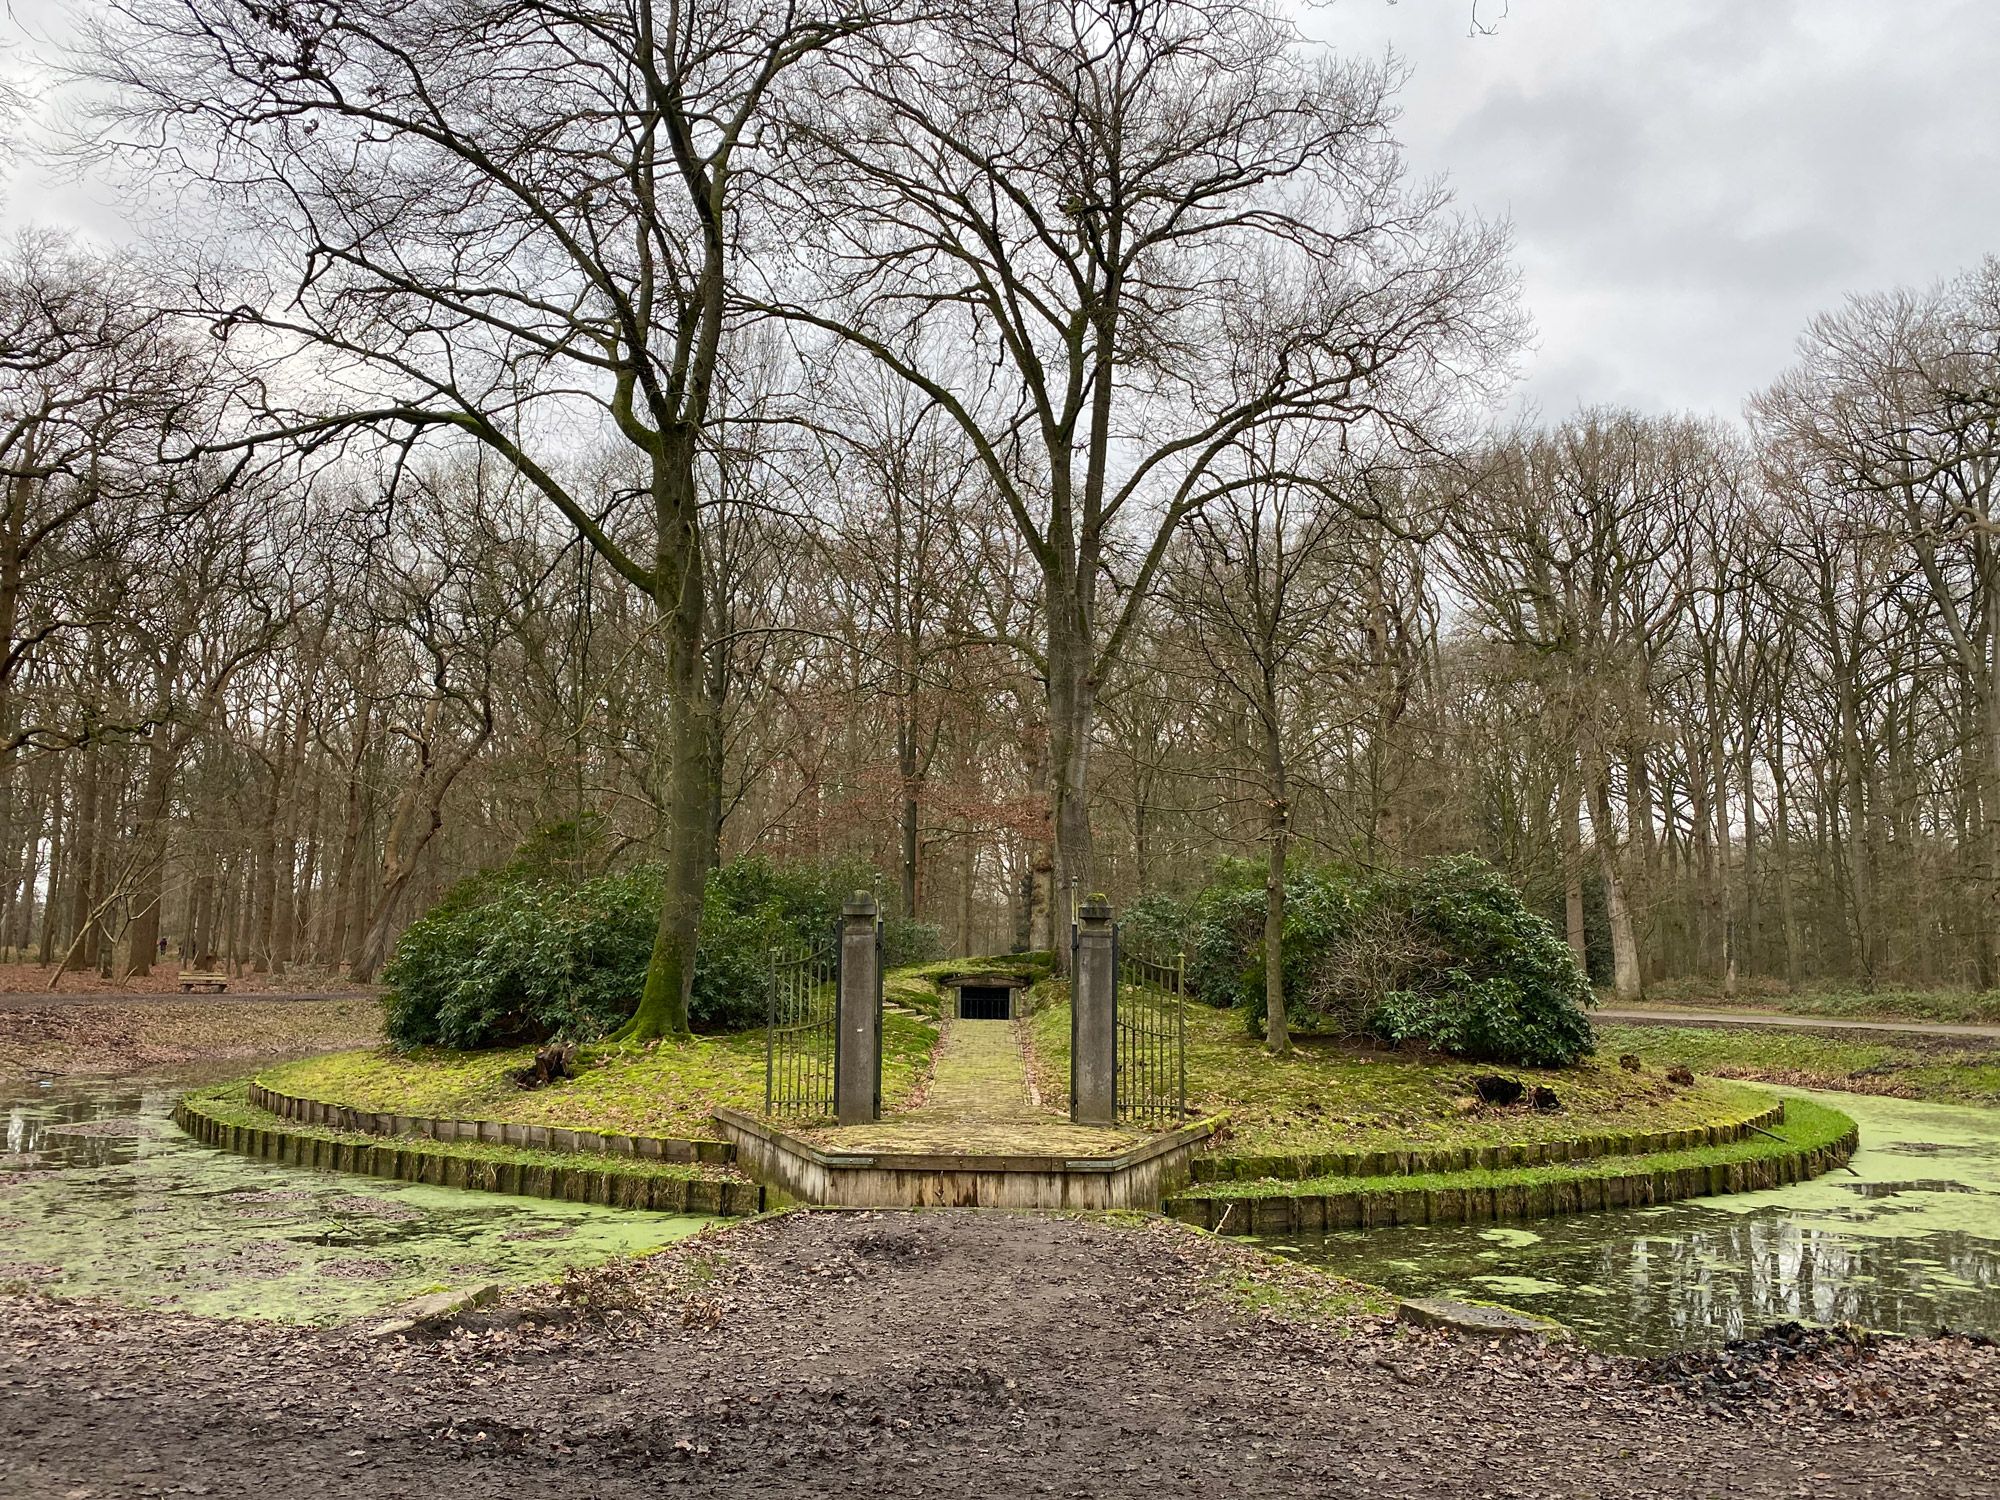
(1722, 698)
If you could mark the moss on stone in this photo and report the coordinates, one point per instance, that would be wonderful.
(1806, 1127)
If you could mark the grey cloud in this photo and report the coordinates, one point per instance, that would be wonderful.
(1690, 182)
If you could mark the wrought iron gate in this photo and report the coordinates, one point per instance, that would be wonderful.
(1150, 1002)
(802, 1032)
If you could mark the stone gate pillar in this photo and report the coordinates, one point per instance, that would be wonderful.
(857, 1083)
(1093, 1050)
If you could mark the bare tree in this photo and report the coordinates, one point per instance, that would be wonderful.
(1111, 241)
(1262, 592)
(509, 226)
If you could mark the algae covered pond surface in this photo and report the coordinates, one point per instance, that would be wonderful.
(102, 1196)
(1907, 1241)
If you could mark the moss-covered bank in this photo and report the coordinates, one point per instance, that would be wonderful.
(1810, 1140)
(224, 1117)
(1332, 1098)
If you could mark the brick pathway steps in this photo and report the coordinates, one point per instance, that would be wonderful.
(978, 1104)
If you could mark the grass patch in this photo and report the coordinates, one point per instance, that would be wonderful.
(1285, 1289)
(1345, 1096)
(669, 1088)
(1952, 1070)
(230, 1104)
(1807, 1126)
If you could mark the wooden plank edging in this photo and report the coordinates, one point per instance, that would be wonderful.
(656, 1192)
(1495, 1157)
(1499, 1203)
(491, 1132)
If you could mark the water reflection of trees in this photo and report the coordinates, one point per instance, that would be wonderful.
(35, 1123)
(1709, 1273)
(1664, 1278)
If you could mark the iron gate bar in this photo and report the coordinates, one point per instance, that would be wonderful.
(1150, 1005)
(802, 1032)
(878, 1016)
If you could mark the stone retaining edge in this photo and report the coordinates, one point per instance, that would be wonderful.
(1494, 1158)
(490, 1132)
(659, 1194)
(1317, 1213)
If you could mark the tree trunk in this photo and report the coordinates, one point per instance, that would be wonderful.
(1626, 985)
(1072, 694)
(663, 1005)
(348, 873)
(161, 755)
(906, 768)
(1277, 1039)
(1572, 827)
(1854, 784)
(83, 863)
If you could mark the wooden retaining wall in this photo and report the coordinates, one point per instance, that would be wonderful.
(1410, 1163)
(1318, 1213)
(490, 1132)
(1135, 1178)
(658, 1192)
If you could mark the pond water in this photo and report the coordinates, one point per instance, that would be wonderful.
(102, 1196)
(1908, 1240)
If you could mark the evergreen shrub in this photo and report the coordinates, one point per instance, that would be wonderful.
(1446, 955)
(529, 952)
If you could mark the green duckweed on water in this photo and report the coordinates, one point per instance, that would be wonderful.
(101, 1196)
(1907, 1240)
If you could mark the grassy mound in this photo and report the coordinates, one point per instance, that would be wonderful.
(1806, 1127)
(1339, 1096)
(667, 1089)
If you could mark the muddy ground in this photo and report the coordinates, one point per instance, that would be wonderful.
(960, 1354)
(55, 1036)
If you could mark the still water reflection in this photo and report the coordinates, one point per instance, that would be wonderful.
(100, 1195)
(1908, 1240)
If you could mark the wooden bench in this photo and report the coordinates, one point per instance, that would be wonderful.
(210, 984)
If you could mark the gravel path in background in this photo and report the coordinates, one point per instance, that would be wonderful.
(960, 1354)
(1789, 1022)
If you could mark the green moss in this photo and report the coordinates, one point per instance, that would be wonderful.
(1807, 1127)
(1334, 1096)
(229, 1103)
(1953, 1070)
(670, 1088)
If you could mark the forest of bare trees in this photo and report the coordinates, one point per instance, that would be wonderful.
(1042, 449)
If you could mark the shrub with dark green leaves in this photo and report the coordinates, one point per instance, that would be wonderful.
(1447, 956)
(505, 961)
(1476, 973)
(522, 955)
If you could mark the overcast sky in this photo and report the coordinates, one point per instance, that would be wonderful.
(1688, 180)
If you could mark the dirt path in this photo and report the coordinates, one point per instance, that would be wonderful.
(1799, 1023)
(949, 1354)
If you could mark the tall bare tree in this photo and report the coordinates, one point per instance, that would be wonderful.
(1112, 240)
(519, 226)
